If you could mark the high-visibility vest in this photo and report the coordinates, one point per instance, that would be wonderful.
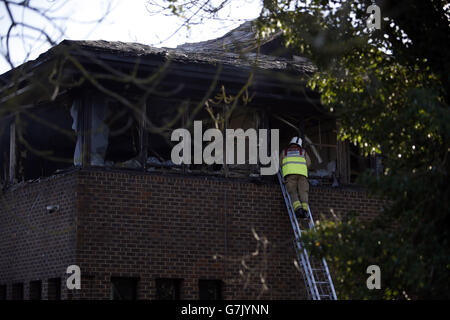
(294, 162)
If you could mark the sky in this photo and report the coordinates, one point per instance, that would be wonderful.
(127, 21)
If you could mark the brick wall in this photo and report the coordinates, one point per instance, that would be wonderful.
(149, 226)
(326, 201)
(36, 244)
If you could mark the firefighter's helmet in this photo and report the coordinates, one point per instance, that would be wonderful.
(296, 140)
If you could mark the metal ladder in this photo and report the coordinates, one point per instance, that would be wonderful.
(315, 272)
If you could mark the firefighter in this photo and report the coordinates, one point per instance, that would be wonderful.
(294, 162)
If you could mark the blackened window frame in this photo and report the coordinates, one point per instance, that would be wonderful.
(116, 294)
(35, 290)
(17, 291)
(210, 289)
(54, 289)
(173, 282)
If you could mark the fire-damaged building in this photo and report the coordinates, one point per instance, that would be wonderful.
(88, 179)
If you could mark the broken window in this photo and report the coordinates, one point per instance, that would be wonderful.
(211, 117)
(168, 289)
(54, 289)
(41, 142)
(107, 133)
(210, 289)
(359, 163)
(321, 139)
(245, 118)
(35, 290)
(17, 291)
(164, 116)
(123, 144)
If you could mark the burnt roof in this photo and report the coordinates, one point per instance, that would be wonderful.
(184, 55)
(241, 39)
(277, 78)
(236, 49)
